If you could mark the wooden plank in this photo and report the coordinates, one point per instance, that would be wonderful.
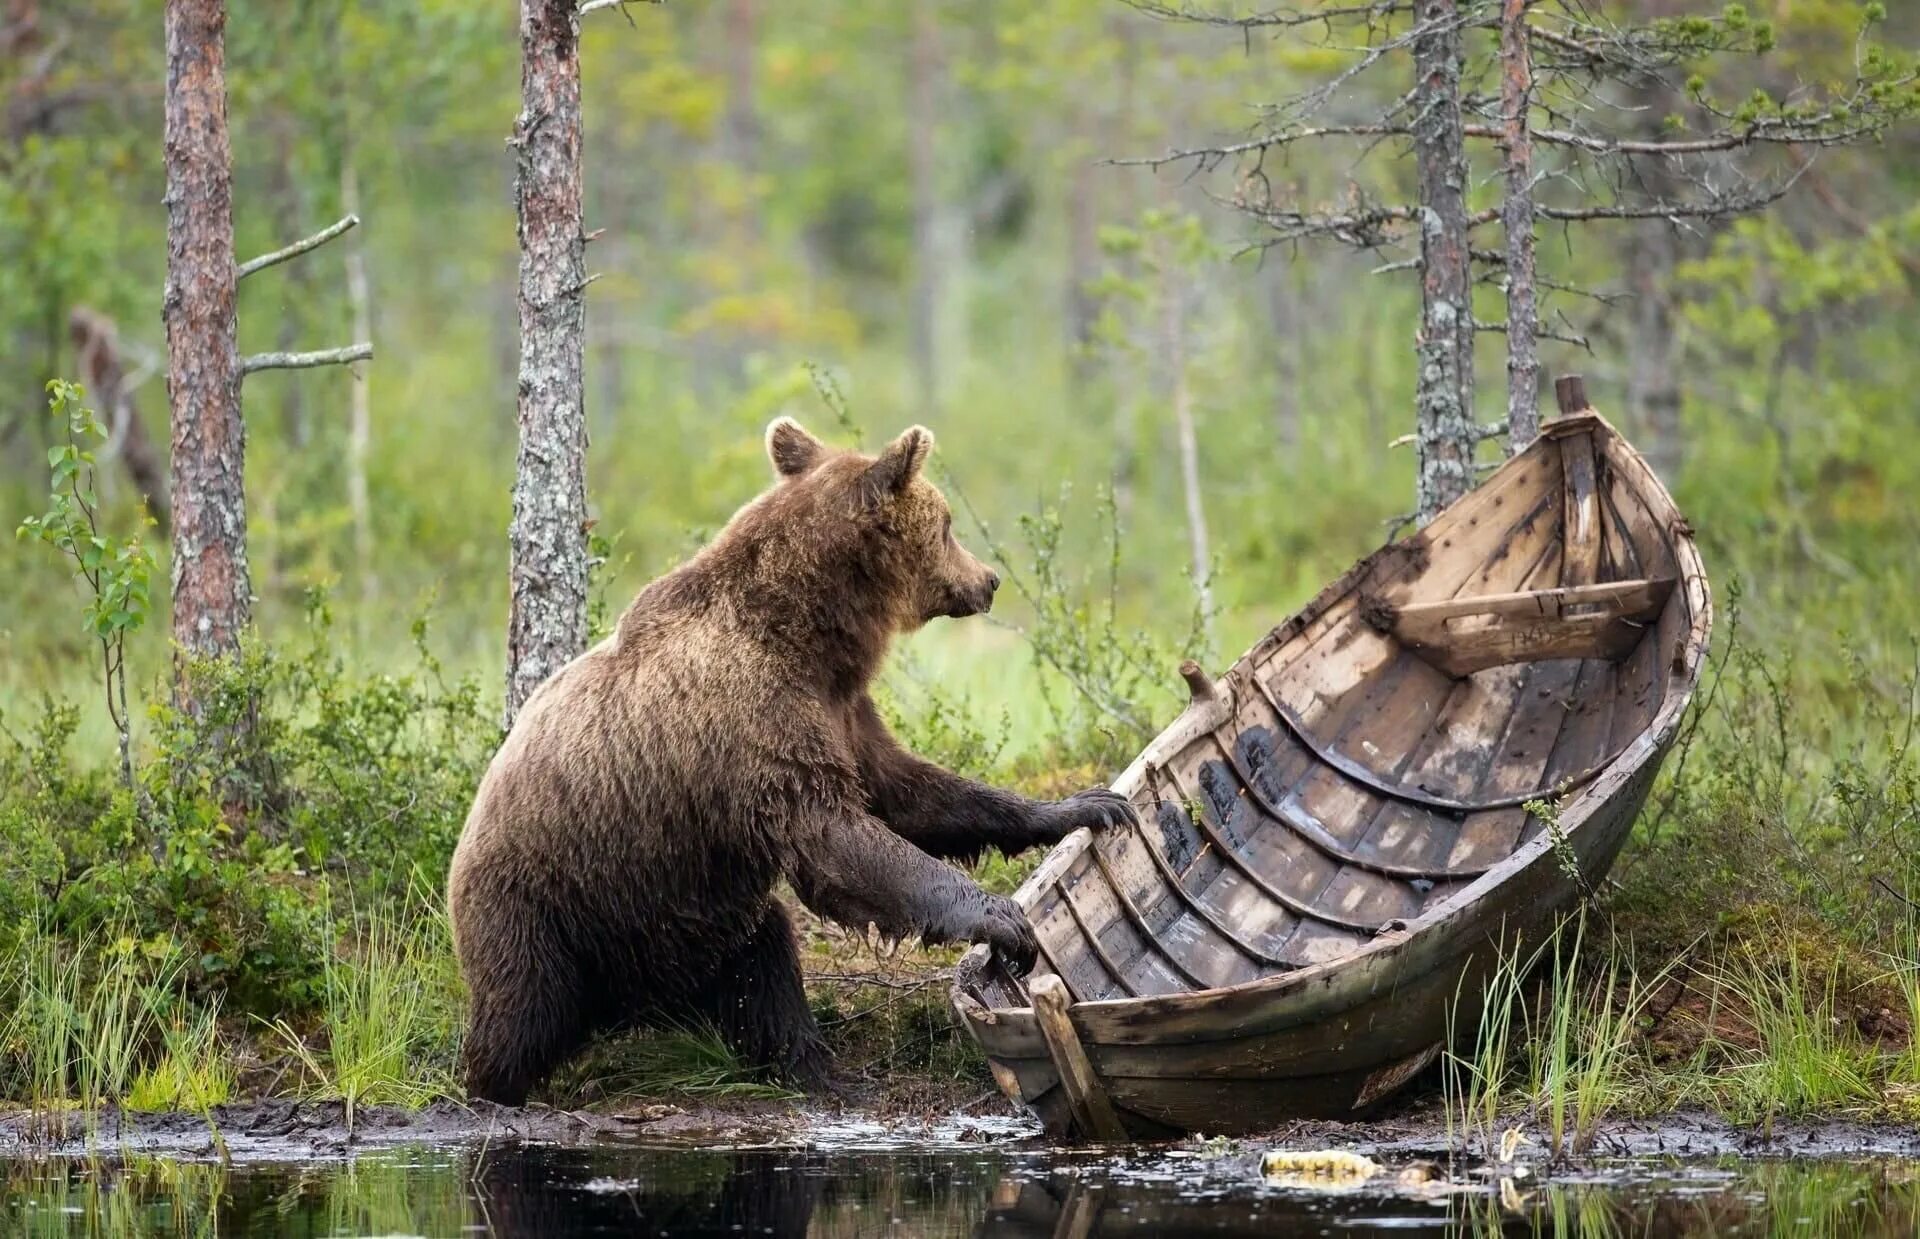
(1632, 598)
(1590, 621)
(1071, 949)
(1325, 665)
(1580, 519)
(1093, 1112)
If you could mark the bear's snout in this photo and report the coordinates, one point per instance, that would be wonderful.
(973, 598)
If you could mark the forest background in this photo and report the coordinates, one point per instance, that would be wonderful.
(868, 215)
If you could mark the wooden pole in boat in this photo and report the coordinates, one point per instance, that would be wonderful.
(1093, 1113)
(1198, 684)
(1570, 390)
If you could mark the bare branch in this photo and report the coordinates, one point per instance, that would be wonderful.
(1211, 156)
(1540, 331)
(1767, 131)
(1714, 207)
(306, 361)
(594, 6)
(298, 248)
(1276, 19)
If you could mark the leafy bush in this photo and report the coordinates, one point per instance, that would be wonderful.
(289, 785)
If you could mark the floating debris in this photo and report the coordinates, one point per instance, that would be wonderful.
(1325, 1168)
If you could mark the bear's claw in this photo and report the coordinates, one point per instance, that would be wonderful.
(1004, 927)
(1097, 808)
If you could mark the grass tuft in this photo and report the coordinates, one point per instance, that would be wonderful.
(1804, 1059)
(389, 1019)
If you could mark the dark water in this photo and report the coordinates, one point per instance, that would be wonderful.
(562, 1192)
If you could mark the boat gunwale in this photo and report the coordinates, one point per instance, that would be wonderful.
(1207, 714)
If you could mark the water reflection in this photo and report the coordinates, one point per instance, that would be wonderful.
(546, 1191)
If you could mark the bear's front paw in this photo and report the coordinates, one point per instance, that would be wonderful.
(1096, 808)
(1003, 926)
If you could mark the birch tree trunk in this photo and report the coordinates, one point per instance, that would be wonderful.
(1287, 324)
(360, 413)
(1523, 346)
(1653, 388)
(1173, 343)
(1443, 392)
(212, 596)
(547, 623)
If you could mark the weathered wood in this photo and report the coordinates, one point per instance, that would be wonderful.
(1570, 393)
(1580, 517)
(1588, 621)
(1199, 686)
(1092, 1111)
(1223, 949)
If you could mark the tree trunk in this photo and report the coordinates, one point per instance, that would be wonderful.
(96, 349)
(1173, 343)
(289, 213)
(1523, 347)
(743, 118)
(1653, 389)
(212, 598)
(548, 621)
(924, 64)
(1083, 267)
(1443, 392)
(1286, 323)
(1126, 430)
(360, 409)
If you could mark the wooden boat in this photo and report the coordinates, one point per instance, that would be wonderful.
(1335, 837)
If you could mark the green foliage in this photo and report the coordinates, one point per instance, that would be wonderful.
(1804, 1058)
(118, 571)
(693, 1062)
(87, 1014)
(247, 832)
(389, 1021)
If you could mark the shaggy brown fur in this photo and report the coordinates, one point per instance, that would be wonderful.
(619, 862)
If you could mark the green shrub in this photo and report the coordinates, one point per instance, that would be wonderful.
(290, 783)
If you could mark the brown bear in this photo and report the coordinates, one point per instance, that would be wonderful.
(619, 863)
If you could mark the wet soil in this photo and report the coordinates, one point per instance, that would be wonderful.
(278, 1130)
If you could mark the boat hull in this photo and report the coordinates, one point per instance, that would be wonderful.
(1329, 1004)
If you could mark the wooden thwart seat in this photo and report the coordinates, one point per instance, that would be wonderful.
(1463, 635)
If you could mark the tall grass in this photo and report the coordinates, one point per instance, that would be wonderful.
(1582, 1038)
(1564, 1053)
(1804, 1059)
(1905, 977)
(1475, 1085)
(193, 1071)
(80, 1039)
(389, 1024)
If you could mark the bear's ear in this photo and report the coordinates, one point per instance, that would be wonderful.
(900, 463)
(792, 450)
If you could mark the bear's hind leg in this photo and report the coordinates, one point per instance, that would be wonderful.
(519, 1031)
(758, 1004)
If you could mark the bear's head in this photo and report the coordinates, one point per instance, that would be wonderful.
(898, 526)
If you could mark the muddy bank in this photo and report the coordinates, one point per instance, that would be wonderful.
(279, 1130)
(272, 1131)
(1689, 1134)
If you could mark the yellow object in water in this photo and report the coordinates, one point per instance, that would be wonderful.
(1323, 1168)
